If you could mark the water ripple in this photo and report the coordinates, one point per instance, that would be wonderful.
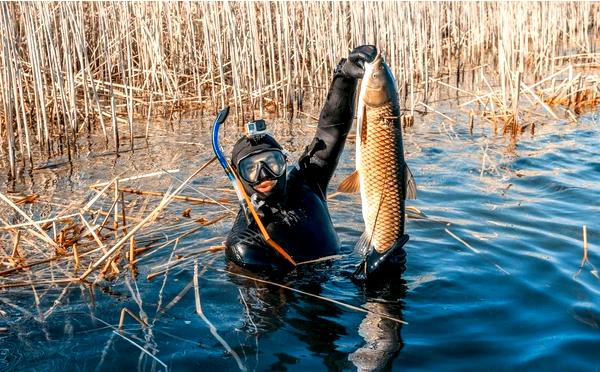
(493, 277)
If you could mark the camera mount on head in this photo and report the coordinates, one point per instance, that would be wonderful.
(256, 128)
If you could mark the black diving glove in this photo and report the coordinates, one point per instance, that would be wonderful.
(354, 65)
(385, 266)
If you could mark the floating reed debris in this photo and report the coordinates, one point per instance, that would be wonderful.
(178, 197)
(142, 349)
(72, 68)
(578, 93)
(77, 246)
(132, 315)
(585, 246)
(475, 250)
(585, 258)
(211, 327)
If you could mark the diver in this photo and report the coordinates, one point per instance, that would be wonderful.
(292, 205)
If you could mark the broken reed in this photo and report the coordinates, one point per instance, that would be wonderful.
(105, 237)
(76, 67)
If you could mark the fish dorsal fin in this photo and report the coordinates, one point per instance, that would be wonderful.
(411, 185)
(350, 184)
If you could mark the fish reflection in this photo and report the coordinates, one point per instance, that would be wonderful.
(382, 340)
(380, 333)
(319, 324)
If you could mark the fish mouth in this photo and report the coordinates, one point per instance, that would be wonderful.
(373, 66)
(377, 60)
(265, 186)
(378, 84)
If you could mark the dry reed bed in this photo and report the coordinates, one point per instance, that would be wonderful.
(565, 94)
(69, 68)
(101, 240)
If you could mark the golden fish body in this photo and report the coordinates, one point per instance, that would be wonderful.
(381, 170)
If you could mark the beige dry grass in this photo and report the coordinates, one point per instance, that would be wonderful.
(73, 67)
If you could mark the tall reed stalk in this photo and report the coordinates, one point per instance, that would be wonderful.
(67, 66)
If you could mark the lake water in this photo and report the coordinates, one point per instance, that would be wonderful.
(493, 277)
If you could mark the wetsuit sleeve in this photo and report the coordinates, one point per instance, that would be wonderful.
(319, 160)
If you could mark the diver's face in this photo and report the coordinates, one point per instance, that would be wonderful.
(264, 172)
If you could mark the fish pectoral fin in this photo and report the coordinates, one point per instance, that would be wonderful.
(351, 184)
(411, 185)
(363, 245)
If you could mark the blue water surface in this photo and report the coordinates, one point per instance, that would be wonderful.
(493, 279)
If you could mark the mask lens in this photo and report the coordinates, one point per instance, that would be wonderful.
(248, 170)
(249, 167)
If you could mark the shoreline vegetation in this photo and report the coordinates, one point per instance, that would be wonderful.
(70, 69)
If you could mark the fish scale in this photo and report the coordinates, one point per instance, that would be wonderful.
(382, 176)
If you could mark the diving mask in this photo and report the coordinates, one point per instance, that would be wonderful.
(261, 166)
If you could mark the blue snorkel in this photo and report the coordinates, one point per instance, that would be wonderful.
(244, 199)
(221, 117)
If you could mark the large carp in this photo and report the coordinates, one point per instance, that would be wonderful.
(381, 175)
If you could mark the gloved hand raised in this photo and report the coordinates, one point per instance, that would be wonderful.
(354, 66)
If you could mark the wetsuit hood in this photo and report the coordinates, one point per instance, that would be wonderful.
(250, 145)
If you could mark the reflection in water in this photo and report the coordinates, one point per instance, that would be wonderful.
(270, 309)
(382, 339)
(382, 336)
(319, 324)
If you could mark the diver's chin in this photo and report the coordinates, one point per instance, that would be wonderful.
(266, 187)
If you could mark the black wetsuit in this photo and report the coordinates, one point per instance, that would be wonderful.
(300, 222)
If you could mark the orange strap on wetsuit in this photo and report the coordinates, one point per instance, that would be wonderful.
(273, 244)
